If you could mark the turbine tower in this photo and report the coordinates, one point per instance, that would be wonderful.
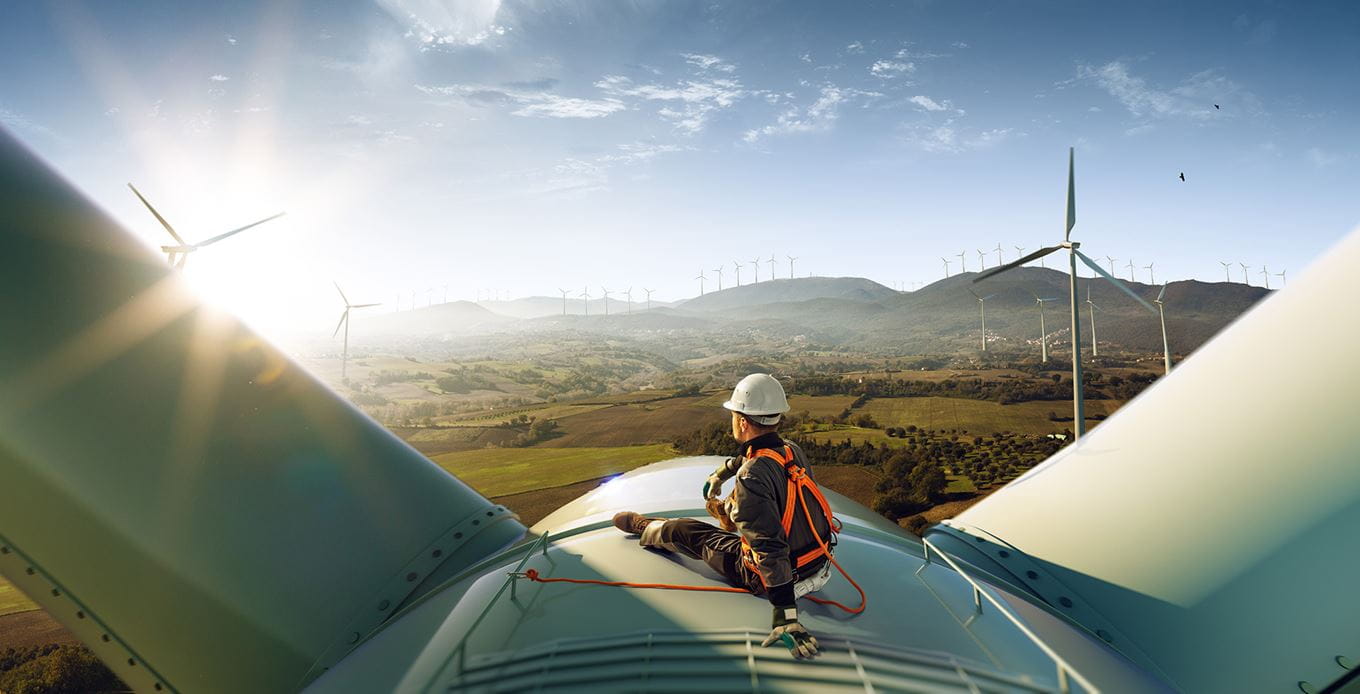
(585, 299)
(736, 267)
(1280, 274)
(1245, 277)
(649, 298)
(1226, 278)
(628, 293)
(791, 259)
(564, 300)
(344, 322)
(1111, 259)
(963, 262)
(946, 266)
(1019, 251)
(982, 259)
(1095, 349)
(999, 259)
(1130, 266)
(719, 271)
(606, 300)
(1166, 349)
(982, 304)
(756, 264)
(1043, 329)
(1078, 409)
(1152, 279)
(1266, 274)
(771, 261)
(701, 282)
(184, 248)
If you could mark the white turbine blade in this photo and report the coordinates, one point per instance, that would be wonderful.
(364, 305)
(975, 294)
(1071, 192)
(170, 257)
(988, 297)
(219, 237)
(1032, 256)
(1159, 294)
(1113, 280)
(158, 216)
(183, 258)
(343, 316)
(342, 292)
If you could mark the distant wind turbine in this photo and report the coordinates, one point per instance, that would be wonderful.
(982, 305)
(184, 248)
(564, 300)
(963, 262)
(1078, 409)
(1019, 251)
(1245, 277)
(771, 261)
(701, 282)
(736, 267)
(1111, 259)
(629, 294)
(1280, 274)
(1152, 279)
(999, 259)
(1130, 266)
(649, 298)
(446, 293)
(1095, 349)
(946, 266)
(344, 322)
(1226, 278)
(1043, 330)
(1266, 274)
(756, 264)
(606, 300)
(1166, 349)
(982, 259)
(585, 300)
(719, 271)
(791, 259)
(429, 297)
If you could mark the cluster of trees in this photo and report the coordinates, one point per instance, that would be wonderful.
(531, 430)
(463, 380)
(55, 669)
(1004, 392)
(386, 376)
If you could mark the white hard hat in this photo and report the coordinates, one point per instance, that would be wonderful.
(760, 397)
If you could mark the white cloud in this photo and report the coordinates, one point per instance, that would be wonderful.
(1193, 98)
(438, 23)
(1320, 158)
(1094, 109)
(637, 152)
(855, 47)
(231, 40)
(695, 101)
(708, 62)
(928, 103)
(1140, 129)
(806, 57)
(528, 103)
(219, 78)
(908, 54)
(959, 44)
(948, 138)
(820, 116)
(888, 69)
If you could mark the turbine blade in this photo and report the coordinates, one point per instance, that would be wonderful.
(343, 316)
(158, 216)
(219, 237)
(975, 294)
(988, 297)
(1113, 280)
(1032, 256)
(1071, 193)
(364, 305)
(1161, 293)
(342, 292)
(170, 257)
(183, 258)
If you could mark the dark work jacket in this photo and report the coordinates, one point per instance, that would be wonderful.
(757, 506)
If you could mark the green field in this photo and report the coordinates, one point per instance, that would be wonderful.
(501, 471)
(856, 435)
(11, 600)
(819, 405)
(980, 416)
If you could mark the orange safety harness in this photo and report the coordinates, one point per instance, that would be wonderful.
(798, 483)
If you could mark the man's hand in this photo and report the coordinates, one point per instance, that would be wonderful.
(712, 487)
(786, 629)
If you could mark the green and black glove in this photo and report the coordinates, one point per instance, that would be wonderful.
(713, 485)
(786, 629)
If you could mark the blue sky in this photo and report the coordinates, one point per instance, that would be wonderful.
(527, 146)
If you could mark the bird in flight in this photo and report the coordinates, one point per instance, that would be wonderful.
(1216, 107)
(1182, 176)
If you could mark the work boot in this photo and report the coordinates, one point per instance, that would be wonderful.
(632, 522)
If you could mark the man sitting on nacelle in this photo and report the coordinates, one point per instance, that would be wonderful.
(777, 535)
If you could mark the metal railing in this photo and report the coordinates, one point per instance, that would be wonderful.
(1064, 669)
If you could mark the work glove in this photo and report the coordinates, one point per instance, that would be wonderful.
(786, 629)
(713, 485)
